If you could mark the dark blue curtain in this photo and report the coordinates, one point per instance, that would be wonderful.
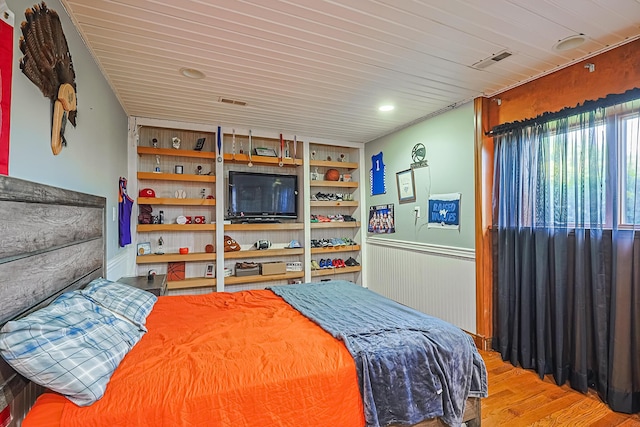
(566, 210)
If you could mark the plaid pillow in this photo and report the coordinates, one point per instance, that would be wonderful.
(71, 347)
(132, 303)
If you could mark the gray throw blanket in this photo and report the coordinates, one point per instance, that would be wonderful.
(410, 366)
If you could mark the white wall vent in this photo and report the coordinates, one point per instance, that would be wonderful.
(492, 60)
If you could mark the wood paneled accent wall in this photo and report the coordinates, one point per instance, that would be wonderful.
(616, 71)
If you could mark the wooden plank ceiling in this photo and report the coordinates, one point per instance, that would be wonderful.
(321, 68)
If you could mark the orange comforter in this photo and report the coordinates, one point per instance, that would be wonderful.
(222, 359)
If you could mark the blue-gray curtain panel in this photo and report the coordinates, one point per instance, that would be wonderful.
(567, 250)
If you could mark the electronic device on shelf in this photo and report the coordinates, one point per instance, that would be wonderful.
(262, 196)
(255, 221)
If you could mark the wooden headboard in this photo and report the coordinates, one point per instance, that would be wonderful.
(52, 241)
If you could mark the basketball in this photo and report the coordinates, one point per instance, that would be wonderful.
(332, 175)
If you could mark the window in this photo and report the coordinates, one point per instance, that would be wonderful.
(629, 161)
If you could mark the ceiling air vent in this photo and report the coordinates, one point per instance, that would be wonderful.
(232, 102)
(492, 60)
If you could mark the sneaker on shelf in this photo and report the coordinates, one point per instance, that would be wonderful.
(337, 242)
(314, 218)
(348, 241)
(350, 262)
(348, 218)
(294, 244)
(315, 265)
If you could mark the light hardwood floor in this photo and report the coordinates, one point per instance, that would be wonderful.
(518, 397)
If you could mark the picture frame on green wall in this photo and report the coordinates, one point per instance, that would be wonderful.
(406, 186)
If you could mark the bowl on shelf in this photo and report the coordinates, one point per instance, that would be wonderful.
(184, 251)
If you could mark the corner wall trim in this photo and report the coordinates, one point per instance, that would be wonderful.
(438, 250)
(118, 265)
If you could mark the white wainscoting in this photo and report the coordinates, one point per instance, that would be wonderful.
(121, 265)
(436, 280)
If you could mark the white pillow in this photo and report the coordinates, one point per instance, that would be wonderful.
(71, 346)
(132, 303)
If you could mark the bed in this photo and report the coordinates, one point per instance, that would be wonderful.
(242, 359)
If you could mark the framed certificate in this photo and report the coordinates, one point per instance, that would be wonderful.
(144, 248)
(269, 152)
(406, 186)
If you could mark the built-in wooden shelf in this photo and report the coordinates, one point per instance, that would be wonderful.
(174, 201)
(154, 259)
(179, 153)
(199, 282)
(349, 184)
(175, 227)
(332, 271)
(262, 253)
(334, 203)
(344, 224)
(333, 164)
(234, 280)
(260, 160)
(335, 249)
(268, 226)
(159, 176)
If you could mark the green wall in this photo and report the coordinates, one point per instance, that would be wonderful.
(96, 155)
(449, 140)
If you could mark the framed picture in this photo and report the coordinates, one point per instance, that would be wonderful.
(144, 248)
(406, 186)
(269, 152)
(381, 220)
(199, 144)
(210, 270)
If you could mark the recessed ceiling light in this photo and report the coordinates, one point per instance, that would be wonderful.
(192, 73)
(386, 108)
(570, 42)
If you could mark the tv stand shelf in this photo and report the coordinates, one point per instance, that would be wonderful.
(262, 253)
(178, 153)
(342, 184)
(255, 221)
(261, 160)
(196, 282)
(267, 226)
(142, 228)
(177, 202)
(337, 224)
(234, 280)
(334, 271)
(160, 176)
(333, 164)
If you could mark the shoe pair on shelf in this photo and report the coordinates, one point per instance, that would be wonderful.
(332, 242)
(351, 262)
(330, 263)
(326, 197)
(320, 218)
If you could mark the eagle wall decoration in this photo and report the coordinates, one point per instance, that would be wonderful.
(47, 63)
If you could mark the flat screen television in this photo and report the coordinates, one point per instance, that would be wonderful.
(262, 196)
